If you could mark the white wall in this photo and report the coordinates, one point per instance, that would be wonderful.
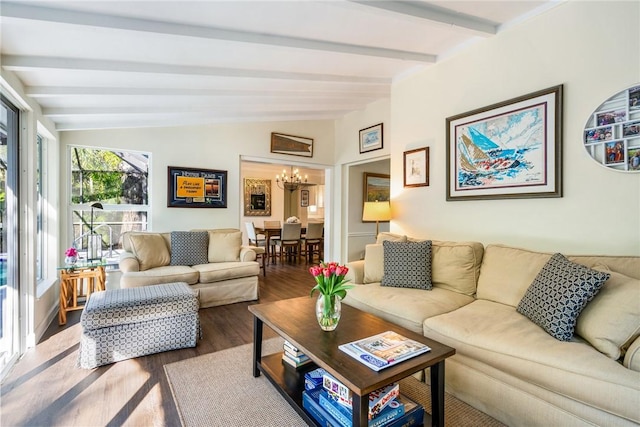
(593, 49)
(361, 233)
(350, 164)
(209, 147)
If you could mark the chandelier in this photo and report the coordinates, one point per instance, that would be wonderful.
(290, 182)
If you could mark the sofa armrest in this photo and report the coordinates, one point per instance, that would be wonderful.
(247, 254)
(355, 275)
(632, 356)
(128, 262)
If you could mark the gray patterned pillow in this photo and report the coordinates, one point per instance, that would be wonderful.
(189, 247)
(558, 294)
(407, 264)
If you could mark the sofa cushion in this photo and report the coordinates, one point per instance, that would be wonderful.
(150, 249)
(498, 337)
(217, 271)
(404, 306)
(189, 247)
(454, 265)
(130, 306)
(407, 264)
(507, 273)
(558, 294)
(627, 265)
(391, 237)
(158, 275)
(373, 263)
(611, 322)
(224, 246)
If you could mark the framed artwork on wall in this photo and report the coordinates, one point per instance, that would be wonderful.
(304, 198)
(512, 149)
(371, 138)
(257, 197)
(377, 187)
(416, 167)
(196, 188)
(293, 145)
(612, 132)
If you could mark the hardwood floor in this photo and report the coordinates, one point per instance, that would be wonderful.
(45, 388)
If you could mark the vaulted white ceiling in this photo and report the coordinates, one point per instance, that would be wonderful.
(112, 64)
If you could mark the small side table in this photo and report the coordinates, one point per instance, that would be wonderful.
(72, 286)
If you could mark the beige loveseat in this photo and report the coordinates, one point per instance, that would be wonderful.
(213, 262)
(505, 364)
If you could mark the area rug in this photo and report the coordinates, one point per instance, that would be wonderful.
(218, 389)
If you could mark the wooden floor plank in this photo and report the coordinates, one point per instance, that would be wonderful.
(45, 388)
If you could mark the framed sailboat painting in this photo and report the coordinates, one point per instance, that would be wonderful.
(512, 149)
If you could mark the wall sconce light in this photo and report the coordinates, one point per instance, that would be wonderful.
(376, 211)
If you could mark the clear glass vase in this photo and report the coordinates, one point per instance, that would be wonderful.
(328, 310)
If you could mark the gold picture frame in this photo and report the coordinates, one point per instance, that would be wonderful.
(257, 197)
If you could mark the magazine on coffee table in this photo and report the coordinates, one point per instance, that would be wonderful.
(383, 350)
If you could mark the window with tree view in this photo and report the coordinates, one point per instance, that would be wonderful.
(109, 196)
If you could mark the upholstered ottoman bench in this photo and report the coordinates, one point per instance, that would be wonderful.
(120, 324)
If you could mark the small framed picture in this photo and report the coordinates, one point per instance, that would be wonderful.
(634, 159)
(290, 144)
(304, 198)
(631, 129)
(377, 187)
(416, 167)
(614, 152)
(371, 138)
(610, 117)
(634, 98)
(604, 133)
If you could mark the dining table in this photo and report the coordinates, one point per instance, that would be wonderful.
(270, 232)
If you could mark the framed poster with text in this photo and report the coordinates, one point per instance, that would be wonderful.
(196, 188)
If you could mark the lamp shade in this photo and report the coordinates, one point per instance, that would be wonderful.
(376, 211)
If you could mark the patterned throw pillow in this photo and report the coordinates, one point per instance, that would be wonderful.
(558, 294)
(189, 247)
(407, 264)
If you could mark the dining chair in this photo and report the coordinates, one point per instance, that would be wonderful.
(254, 238)
(258, 242)
(290, 241)
(314, 240)
(272, 225)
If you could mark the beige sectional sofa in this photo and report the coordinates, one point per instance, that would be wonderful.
(505, 364)
(213, 262)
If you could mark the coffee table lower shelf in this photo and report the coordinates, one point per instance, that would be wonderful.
(290, 384)
(288, 381)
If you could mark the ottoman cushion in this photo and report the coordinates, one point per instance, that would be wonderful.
(134, 305)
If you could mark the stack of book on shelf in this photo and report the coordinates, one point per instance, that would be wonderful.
(294, 357)
(383, 350)
(329, 402)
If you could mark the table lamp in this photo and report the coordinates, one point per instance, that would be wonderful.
(376, 211)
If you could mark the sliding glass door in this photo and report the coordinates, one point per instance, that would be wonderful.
(9, 288)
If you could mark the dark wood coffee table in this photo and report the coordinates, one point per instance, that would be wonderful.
(294, 320)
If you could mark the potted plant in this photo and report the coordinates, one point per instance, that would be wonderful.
(71, 256)
(332, 288)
